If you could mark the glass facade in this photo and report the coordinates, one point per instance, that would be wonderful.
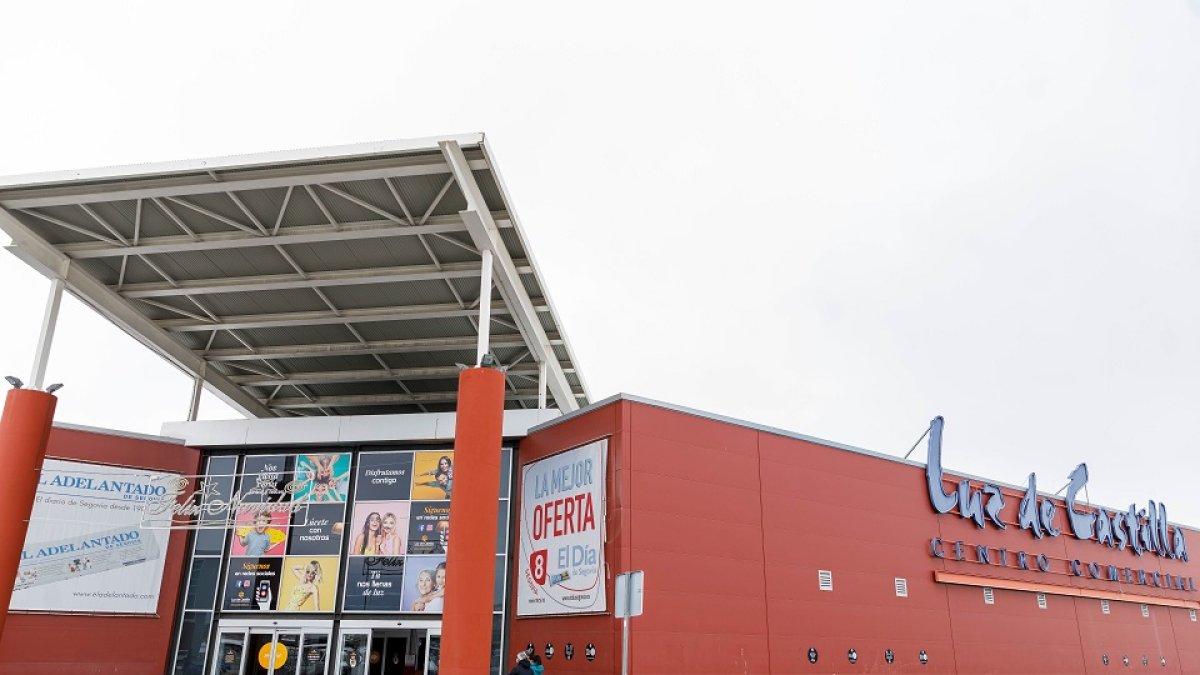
(354, 533)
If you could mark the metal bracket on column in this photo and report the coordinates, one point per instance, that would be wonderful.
(197, 390)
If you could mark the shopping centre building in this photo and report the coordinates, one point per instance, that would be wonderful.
(333, 296)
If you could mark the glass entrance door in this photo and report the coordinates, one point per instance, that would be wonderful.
(267, 651)
(433, 650)
(230, 648)
(352, 653)
(272, 652)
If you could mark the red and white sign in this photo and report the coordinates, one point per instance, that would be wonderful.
(561, 556)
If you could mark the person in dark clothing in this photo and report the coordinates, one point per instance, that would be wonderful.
(522, 667)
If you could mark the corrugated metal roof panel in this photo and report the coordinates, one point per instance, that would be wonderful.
(204, 224)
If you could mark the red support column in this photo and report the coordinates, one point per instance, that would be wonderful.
(24, 431)
(474, 507)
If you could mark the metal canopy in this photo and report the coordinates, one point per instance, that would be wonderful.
(335, 281)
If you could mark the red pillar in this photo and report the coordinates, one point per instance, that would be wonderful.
(474, 506)
(24, 430)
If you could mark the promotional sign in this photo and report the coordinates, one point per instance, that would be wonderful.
(85, 550)
(433, 475)
(308, 584)
(317, 530)
(378, 528)
(424, 584)
(429, 528)
(288, 525)
(383, 476)
(253, 583)
(322, 478)
(267, 478)
(561, 554)
(374, 583)
(261, 533)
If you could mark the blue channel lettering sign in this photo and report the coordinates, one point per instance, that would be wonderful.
(1141, 530)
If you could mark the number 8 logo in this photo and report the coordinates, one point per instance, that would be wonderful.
(537, 566)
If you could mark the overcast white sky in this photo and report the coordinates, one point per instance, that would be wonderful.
(836, 218)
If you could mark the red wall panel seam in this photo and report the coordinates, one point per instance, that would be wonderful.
(1083, 661)
(762, 528)
(625, 423)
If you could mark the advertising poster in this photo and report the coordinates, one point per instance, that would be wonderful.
(85, 550)
(561, 554)
(374, 584)
(378, 528)
(252, 584)
(261, 533)
(424, 584)
(307, 584)
(265, 478)
(322, 478)
(317, 530)
(384, 476)
(433, 475)
(429, 528)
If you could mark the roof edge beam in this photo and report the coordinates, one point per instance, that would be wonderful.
(484, 232)
(41, 256)
(376, 375)
(464, 343)
(293, 403)
(203, 183)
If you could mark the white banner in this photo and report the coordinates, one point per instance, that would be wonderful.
(561, 556)
(85, 550)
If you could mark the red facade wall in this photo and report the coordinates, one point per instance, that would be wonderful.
(732, 524)
(82, 645)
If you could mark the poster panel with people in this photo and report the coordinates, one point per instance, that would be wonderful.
(561, 552)
(379, 528)
(85, 549)
(433, 475)
(398, 532)
(289, 523)
(378, 520)
(424, 583)
(308, 584)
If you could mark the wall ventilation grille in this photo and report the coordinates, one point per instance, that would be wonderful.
(1146, 611)
(1041, 601)
(901, 588)
(825, 580)
(1104, 607)
(989, 596)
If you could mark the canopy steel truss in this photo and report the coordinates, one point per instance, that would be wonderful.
(308, 281)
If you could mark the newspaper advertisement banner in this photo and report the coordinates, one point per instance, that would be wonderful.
(85, 550)
(561, 554)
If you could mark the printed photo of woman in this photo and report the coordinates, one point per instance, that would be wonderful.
(380, 528)
(425, 584)
(309, 577)
(367, 541)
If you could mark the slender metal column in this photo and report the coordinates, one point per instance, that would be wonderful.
(542, 385)
(49, 322)
(485, 306)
